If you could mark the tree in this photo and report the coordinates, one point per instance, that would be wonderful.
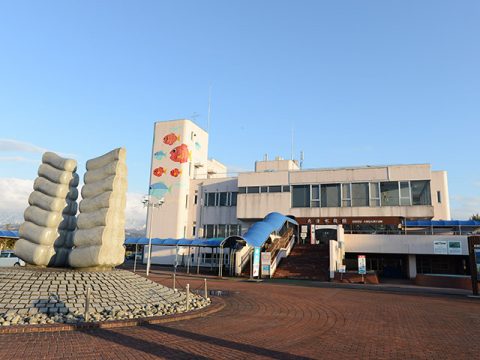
(475, 217)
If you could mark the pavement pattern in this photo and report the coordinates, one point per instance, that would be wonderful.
(278, 320)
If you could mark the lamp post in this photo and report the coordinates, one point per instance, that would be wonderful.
(151, 202)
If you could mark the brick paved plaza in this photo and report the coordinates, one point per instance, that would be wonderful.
(281, 321)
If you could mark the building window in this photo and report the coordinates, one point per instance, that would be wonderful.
(421, 192)
(221, 231)
(390, 193)
(253, 190)
(439, 197)
(315, 193)
(186, 201)
(360, 194)
(346, 195)
(274, 189)
(210, 199)
(330, 195)
(222, 199)
(242, 190)
(375, 194)
(404, 193)
(208, 231)
(193, 230)
(195, 199)
(286, 188)
(301, 196)
(233, 199)
(264, 189)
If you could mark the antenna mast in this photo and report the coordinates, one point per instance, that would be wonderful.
(293, 132)
(209, 107)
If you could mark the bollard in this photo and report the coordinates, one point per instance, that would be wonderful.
(188, 297)
(206, 292)
(174, 288)
(87, 304)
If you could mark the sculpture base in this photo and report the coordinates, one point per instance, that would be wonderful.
(50, 295)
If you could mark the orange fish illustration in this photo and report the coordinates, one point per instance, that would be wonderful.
(180, 154)
(175, 172)
(159, 171)
(171, 138)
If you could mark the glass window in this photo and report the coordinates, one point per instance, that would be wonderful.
(210, 199)
(346, 195)
(264, 189)
(208, 230)
(274, 189)
(360, 194)
(221, 231)
(390, 193)
(421, 192)
(404, 193)
(439, 197)
(242, 190)
(301, 196)
(315, 200)
(233, 200)
(330, 195)
(195, 199)
(253, 190)
(374, 194)
(286, 188)
(223, 199)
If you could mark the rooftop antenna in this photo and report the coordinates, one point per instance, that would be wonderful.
(209, 107)
(301, 159)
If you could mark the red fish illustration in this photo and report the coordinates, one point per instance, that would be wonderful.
(175, 172)
(171, 138)
(181, 154)
(159, 171)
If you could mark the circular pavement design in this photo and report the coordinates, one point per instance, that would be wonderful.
(280, 321)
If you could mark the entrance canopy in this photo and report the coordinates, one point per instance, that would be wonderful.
(215, 242)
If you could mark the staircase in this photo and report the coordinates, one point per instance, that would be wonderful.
(305, 262)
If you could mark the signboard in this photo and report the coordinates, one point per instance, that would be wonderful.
(362, 264)
(266, 258)
(440, 247)
(359, 220)
(454, 247)
(342, 269)
(312, 235)
(304, 228)
(476, 252)
(256, 261)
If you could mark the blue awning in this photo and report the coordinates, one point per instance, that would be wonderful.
(259, 232)
(8, 233)
(215, 242)
(442, 223)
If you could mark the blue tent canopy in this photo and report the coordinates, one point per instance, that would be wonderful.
(8, 233)
(259, 232)
(442, 223)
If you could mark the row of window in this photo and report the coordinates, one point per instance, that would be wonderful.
(263, 189)
(221, 230)
(221, 198)
(389, 193)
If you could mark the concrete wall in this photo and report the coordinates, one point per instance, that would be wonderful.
(439, 182)
(398, 244)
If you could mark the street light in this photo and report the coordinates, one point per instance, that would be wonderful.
(151, 202)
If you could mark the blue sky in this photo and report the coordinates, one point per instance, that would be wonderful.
(361, 82)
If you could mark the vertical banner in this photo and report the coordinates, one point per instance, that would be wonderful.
(256, 261)
(362, 264)
(312, 235)
(266, 261)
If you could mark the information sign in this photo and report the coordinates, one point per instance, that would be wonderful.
(362, 264)
(256, 261)
(440, 247)
(454, 247)
(266, 258)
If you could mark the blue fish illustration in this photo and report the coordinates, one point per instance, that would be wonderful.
(159, 190)
(159, 155)
(198, 146)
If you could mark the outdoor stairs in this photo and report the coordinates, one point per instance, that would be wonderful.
(305, 262)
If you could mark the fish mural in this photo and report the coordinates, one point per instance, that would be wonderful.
(175, 172)
(159, 171)
(171, 138)
(159, 155)
(198, 146)
(159, 190)
(181, 154)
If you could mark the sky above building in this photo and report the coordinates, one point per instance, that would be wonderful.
(357, 82)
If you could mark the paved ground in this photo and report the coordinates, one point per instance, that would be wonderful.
(282, 321)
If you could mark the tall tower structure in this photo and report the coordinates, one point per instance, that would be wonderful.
(179, 154)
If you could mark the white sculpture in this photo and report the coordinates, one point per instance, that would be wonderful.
(47, 233)
(98, 240)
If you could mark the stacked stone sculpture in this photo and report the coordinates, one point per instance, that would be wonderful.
(98, 240)
(46, 235)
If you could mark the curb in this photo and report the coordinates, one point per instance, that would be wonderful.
(217, 304)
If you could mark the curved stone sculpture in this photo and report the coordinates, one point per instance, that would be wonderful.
(98, 240)
(46, 236)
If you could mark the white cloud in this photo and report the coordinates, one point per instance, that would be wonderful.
(14, 195)
(463, 207)
(15, 145)
(18, 159)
